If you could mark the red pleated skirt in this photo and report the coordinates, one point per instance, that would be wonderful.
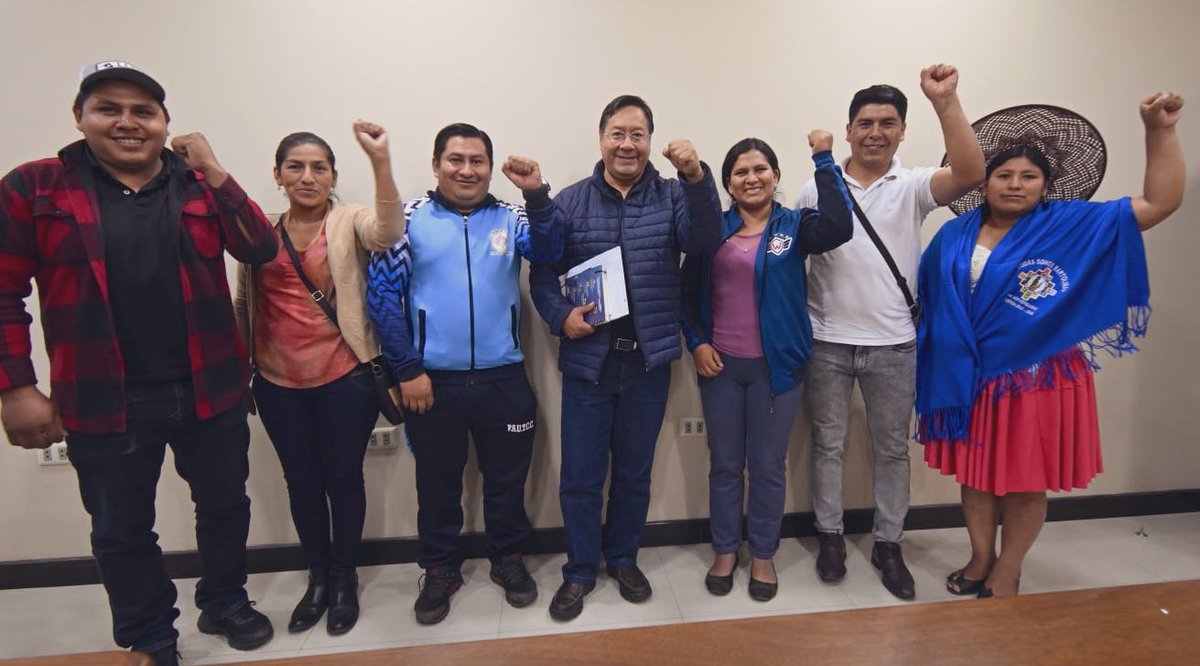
(1034, 441)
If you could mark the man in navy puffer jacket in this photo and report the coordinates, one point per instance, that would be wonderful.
(615, 376)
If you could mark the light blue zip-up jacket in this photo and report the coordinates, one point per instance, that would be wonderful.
(447, 296)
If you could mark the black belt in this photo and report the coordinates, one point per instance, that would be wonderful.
(624, 344)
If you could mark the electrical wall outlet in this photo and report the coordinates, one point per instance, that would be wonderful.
(55, 454)
(383, 439)
(692, 427)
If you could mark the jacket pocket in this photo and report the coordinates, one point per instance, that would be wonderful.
(515, 336)
(203, 226)
(59, 239)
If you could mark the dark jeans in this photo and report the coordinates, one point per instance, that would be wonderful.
(618, 416)
(118, 476)
(497, 408)
(321, 437)
(748, 428)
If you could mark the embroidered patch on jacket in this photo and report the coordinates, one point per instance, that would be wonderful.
(779, 244)
(499, 239)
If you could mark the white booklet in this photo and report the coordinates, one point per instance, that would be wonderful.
(599, 280)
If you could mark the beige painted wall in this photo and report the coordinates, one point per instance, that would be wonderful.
(535, 74)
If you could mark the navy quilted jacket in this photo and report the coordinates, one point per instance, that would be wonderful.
(658, 220)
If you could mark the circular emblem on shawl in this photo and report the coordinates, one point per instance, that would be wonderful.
(1077, 154)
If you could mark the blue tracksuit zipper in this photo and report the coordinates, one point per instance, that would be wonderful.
(470, 288)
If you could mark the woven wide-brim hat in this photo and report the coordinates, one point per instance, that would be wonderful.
(1074, 147)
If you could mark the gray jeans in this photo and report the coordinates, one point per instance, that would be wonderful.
(887, 377)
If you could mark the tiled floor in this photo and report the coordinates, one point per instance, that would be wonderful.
(1068, 555)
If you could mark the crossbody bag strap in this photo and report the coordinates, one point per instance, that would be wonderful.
(887, 257)
(318, 296)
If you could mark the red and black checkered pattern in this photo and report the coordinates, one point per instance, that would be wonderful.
(50, 232)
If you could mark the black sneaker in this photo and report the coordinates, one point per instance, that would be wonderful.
(245, 628)
(433, 604)
(511, 574)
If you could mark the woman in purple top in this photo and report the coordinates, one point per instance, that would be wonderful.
(746, 323)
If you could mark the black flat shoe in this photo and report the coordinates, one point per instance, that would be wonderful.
(721, 585)
(760, 591)
(963, 586)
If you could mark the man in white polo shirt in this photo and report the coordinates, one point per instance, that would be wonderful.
(862, 324)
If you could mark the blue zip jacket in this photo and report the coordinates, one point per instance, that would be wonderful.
(447, 296)
(657, 220)
(780, 282)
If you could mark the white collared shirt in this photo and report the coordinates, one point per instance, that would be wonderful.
(852, 297)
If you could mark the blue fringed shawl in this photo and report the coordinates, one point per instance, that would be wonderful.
(1068, 274)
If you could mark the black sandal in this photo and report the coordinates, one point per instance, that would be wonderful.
(963, 586)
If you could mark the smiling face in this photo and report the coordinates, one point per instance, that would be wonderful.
(125, 128)
(625, 145)
(306, 176)
(464, 172)
(1014, 188)
(874, 135)
(752, 181)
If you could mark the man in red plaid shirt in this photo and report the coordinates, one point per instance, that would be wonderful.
(126, 241)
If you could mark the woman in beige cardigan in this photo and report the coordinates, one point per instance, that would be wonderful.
(314, 391)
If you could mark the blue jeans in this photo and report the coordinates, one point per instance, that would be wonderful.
(321, 436)
(618, 416)
(887, 377)
(748, 426)
(118, 476)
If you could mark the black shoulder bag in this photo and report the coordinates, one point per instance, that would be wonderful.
(914, 308)
(381, 372)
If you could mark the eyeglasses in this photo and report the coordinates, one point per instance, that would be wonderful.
(618, 137)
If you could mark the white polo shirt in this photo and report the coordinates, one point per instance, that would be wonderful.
(852, 297)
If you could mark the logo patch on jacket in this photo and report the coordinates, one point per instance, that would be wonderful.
(779, 244)
(499, 239)
(520, 427)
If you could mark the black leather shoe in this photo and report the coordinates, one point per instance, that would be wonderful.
(887, 558)
(313, 604)
(245, 628)
(433, 604)
(634, 586)
(568, 600)
(511, 574)
(721, 585)
(831, 556)
(343, 603)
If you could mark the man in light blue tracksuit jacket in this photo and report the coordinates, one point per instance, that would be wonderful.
(446, 301)
(615, 376)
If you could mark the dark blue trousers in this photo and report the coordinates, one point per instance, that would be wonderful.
(118, 477)
(497, 408)
(321, 437)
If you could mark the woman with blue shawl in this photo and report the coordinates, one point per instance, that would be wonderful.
(1019, 296)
